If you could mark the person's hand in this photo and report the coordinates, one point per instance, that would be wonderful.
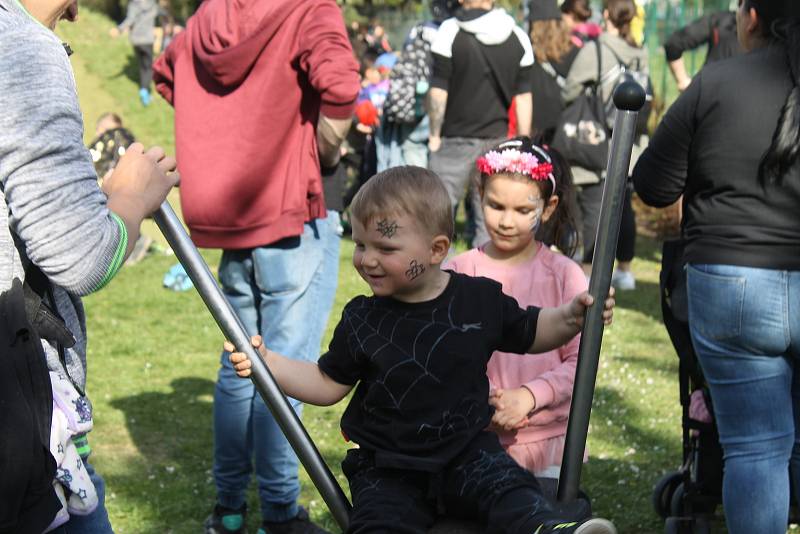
(512, 407)
(683, 83)
(434, 143)
(140, 182)
(114, 32)
(576, 309)
(241, 363)
(363, 128)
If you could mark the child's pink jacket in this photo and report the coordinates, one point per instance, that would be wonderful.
(549, 279)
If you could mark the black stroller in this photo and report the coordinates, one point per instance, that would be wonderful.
(688, 499)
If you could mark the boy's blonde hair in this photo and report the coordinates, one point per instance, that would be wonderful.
(406, 190)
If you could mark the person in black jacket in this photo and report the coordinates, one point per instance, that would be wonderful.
(729, 145)
(717, 30)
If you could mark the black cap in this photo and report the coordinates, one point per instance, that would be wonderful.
(544, 10)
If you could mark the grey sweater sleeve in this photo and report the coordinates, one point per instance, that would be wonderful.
(48, 182)
(131, 14)
(583, 71)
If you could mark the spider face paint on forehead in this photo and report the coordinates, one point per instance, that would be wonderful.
(387, 228)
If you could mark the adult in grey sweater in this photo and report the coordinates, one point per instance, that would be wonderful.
(52, 214)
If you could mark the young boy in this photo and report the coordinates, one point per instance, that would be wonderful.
(417, 351)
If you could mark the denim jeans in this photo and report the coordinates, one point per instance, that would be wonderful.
(454, 163)
(402, 144)
(745, 325)
(284, 291)
(95, 523)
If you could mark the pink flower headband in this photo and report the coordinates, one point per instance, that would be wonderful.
(513, 160)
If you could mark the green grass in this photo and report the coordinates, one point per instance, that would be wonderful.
(154, 353)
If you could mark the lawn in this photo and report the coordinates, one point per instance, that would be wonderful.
(154, 354)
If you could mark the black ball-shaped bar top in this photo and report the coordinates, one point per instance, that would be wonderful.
(629, 96)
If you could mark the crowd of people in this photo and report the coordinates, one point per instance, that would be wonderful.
(447, 416)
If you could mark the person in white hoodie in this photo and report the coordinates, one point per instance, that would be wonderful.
(481, 62)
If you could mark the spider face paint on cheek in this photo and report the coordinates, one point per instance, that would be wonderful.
(415, 269)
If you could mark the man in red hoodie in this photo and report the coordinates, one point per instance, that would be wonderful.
(263, 93)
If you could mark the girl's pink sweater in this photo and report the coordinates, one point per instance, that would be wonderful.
(549, 279)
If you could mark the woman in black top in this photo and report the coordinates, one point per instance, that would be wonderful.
(730, 145)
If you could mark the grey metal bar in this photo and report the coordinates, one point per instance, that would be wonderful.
(232, 328)
(629, 98)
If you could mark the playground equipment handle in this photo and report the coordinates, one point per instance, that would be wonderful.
(232, 328)
(629, 98)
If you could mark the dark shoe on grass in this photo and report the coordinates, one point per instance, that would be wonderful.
(226, 520)
(300, 524)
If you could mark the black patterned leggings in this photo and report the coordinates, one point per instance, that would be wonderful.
(144, 57)
(590, 197)
(482, 483)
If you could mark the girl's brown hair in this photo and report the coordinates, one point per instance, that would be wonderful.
(579, 9)
(551, 40)
(620, 14)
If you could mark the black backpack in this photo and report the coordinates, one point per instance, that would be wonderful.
(582, 135)
(408, 81)
(28, 501)
(584, 130)
(625, 72)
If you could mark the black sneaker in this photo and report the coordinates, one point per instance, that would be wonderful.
(595, 525)
(300, 524)
(227, 520)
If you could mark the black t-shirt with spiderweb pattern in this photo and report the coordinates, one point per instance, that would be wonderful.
(422, 390)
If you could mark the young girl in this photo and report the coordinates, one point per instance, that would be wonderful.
(527, 199)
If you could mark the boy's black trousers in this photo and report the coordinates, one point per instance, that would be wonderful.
(482, 483)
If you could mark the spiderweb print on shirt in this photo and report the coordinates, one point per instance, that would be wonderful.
(403, 347)
(466, 415)
(495, 469)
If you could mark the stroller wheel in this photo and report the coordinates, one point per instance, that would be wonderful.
(686, 525)
(663, 492)
(676, 503)
(698, 503)
(672, 525)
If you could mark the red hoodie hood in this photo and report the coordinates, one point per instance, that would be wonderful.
(228, 37)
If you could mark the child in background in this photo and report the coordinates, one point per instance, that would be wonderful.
(528, 202)
(369, 110)
(416, 351)
(111, 141)
(375, 85)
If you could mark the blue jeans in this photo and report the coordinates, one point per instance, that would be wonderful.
(95, 523)
(745, 325)
(284, 291)
(402, 144)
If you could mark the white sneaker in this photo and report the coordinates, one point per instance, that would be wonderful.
(623, 280)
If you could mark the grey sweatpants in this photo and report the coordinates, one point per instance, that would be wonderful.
(454, 162)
